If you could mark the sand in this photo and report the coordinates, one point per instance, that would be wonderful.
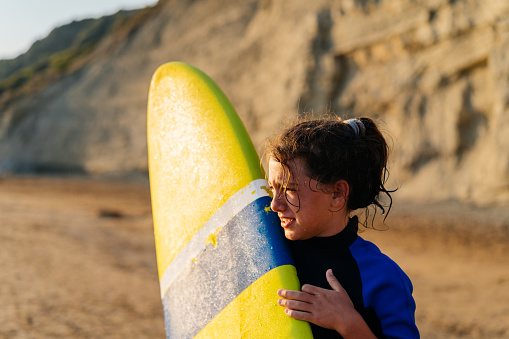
(78, 261)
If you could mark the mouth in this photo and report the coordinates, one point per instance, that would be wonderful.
(286, 222)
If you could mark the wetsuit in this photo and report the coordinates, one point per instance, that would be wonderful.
(380, 291)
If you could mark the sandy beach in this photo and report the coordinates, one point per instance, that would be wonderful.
(78, 261)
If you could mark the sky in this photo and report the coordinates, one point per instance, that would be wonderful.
(22, 22)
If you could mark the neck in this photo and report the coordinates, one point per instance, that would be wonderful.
(337, 223)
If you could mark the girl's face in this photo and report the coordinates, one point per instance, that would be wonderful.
(306, 210)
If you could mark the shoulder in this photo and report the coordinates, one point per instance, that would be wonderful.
(386, 288)
(377, 266)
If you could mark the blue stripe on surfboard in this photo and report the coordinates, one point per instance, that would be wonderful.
(252, 191)
(248, 246)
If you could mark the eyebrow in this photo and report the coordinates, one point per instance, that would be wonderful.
(280, 184)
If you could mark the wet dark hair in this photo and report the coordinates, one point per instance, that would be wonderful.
(333, 150)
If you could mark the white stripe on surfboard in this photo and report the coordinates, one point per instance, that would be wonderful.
(254, 190)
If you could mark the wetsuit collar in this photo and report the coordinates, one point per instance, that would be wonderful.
(343, 239)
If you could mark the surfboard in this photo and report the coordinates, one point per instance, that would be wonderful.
(221, 254)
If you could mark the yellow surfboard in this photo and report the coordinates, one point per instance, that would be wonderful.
(221, 253)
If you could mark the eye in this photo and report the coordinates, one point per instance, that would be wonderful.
(291, 188)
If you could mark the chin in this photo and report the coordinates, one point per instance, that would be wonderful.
(291, 235)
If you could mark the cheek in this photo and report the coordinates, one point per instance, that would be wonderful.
(292, 199)
(312, 207)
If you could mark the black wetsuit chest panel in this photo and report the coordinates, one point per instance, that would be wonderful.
(313, 257)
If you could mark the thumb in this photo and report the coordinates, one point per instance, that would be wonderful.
(333, 282)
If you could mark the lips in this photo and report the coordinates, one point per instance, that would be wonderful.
(286, 222)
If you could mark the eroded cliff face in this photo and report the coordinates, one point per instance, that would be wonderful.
(436, 72)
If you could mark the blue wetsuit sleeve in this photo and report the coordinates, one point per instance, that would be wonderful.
(387, 290)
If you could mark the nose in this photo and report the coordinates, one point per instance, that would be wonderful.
(278, 203)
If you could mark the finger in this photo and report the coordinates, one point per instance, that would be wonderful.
(295, 295)
(299, 315)
(333, 282)
(311, 289)
(295, 305)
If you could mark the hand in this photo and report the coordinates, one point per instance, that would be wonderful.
(332, 309)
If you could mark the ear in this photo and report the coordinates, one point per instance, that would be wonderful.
(341, 192)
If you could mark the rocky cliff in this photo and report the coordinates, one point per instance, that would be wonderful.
(435, 71)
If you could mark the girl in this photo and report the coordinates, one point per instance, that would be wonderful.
(319, 172)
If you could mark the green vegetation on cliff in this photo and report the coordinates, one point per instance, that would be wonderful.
(65, 48)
